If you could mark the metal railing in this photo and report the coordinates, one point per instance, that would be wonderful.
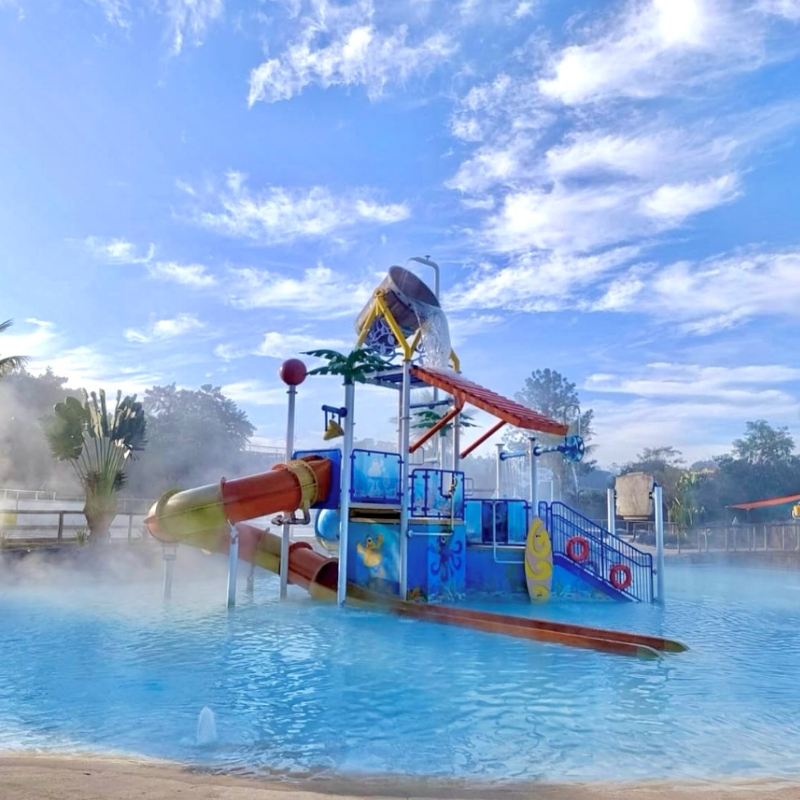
(437, 494)
(23, 526)
(606, 551)
(576, 518)
(604, 555)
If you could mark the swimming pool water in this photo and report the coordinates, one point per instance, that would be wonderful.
(301, 687)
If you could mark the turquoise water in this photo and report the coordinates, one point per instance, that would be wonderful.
(301, 686)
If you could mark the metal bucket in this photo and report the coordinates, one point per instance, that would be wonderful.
(401, 288)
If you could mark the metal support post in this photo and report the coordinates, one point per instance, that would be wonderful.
(457, 442)
(286, 532)
(405, 443)
(233, 566)
(170, 552)
(344, 502)
(611, 511)
(498, 476)
(658, 499)
(534, 467)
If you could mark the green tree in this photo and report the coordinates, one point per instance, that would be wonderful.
(763, 445)
(9, 364)
(550, 393)
(762, 465)
(665, 464)
(685, 509)
(98, 445)
(25, 460)
(195, 435)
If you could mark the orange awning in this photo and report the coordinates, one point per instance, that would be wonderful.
(498, 406)
(773, 501)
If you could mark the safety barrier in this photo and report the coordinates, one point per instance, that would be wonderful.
(599, 557)
(437, 494)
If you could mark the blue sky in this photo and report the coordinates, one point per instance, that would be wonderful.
(193, 190)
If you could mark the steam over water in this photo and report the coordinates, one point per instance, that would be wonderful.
(101, 663)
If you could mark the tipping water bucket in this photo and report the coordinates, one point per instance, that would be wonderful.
(402, 291)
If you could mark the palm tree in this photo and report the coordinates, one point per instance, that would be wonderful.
(98, 445)
(353, 368)
(10, 363)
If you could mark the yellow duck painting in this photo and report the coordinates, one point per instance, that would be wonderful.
(371, 555)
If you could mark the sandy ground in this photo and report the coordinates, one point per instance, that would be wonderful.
(53, 778)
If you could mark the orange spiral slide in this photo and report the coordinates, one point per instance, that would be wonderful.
(202, 517)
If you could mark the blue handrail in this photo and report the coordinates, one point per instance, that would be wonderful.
(605, 551)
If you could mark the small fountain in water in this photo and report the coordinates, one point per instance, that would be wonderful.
(206, 728)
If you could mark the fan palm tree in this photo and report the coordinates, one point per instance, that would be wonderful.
(98, 445)
(9, 364)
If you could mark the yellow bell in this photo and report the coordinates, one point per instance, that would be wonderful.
(333, 430)
(796, 511)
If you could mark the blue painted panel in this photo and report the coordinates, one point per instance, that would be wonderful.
(500, 521)
(373, 556)
(484, 574)
(375, 477)
(334, 455)
(437, 563)
(472, 518)
(437, 494)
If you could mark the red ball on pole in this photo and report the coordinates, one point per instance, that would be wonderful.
(293, 372)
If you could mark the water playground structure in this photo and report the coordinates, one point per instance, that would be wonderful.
(406, 538)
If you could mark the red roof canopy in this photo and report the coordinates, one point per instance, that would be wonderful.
(773, 501)
(498, 406)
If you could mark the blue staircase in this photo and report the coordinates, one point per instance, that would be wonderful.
(605, 552)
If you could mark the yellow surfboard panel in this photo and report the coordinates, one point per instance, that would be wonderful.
(538, 561)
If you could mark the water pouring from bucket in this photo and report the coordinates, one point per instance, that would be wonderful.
(414, 308)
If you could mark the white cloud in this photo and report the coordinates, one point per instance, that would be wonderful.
(341, 46)
(165, 329)
(715, 294)
(115, 12)
(190, 20)
(789, 9)
(32, 338)
(654, 47)
(255, 392)
(676, 202)
(285, 345)
(88, 368)
(278, 215)
(195, 276)
(526, 8)
(740, 384)
(537, 282)
(462, 328)
(278, 344)
(502, 163)
(320, 292)
(684, 405)
(121, 251)
(567, 219)
(117, 251)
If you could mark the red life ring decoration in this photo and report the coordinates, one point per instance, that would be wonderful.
(620, 576)
(578, 548)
